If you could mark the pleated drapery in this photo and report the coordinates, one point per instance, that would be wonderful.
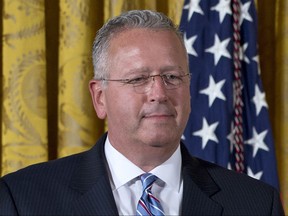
(46, 110)
(24, 98)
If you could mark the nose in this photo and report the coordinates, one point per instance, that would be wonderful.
(158, 90)
(160, 77)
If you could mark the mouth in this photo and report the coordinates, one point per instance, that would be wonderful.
(158, 116)
(159, 113)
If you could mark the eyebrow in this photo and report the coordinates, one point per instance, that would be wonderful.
(138, 70)
(148, 70)
(171, 68)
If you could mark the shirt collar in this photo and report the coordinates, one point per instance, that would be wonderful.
(170, 170)
(123, 171)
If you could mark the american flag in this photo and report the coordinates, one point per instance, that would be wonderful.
(229, 122)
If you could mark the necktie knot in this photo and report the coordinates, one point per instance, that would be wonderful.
(148, 203)
(147, 180)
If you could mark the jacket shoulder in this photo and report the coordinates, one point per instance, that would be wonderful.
(62, 166)
(238, 190)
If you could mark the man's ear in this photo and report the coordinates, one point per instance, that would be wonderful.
(96, 91)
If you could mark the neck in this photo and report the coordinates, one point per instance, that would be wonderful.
(146, 156)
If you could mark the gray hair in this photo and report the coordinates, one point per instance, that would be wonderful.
(128, 20)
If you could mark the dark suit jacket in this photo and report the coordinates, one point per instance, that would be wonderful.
(79, 185)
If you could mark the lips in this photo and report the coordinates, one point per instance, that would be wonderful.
(158, 112)
(156, 115)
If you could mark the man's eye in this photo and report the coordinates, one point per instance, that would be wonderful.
(172, 77)
(138, 80)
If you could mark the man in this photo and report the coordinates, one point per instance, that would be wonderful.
(141, 86)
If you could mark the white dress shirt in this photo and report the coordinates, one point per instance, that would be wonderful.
(127, 187)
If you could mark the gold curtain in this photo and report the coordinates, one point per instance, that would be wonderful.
(24, 101)
(273, 51)
(46, 111)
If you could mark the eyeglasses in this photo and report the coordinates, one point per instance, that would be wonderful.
(143, 83)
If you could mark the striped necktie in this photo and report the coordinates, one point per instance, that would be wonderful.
(148, 204)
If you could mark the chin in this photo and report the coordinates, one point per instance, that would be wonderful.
(161, 139)
(160, 134)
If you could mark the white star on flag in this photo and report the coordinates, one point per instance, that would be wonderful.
(223, 7)
(183, 137)
(193, 7)
(256, 175)
(219, 49)
(214, 90)
(257, 141)
(189, 44)
(242, 53)
(257, 60)
(244, 12)
(230, 137)
(207, 132)
(259, 100)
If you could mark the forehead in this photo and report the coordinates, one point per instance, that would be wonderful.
(128, 36)
(147, 48)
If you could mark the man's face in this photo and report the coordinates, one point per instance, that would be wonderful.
(154, 118)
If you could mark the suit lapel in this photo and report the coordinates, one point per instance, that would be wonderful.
(198, 188)
(92, 183)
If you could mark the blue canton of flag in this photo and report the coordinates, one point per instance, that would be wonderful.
(208, 33)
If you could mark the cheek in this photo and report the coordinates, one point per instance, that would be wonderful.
(122, 105)
(183, 104)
